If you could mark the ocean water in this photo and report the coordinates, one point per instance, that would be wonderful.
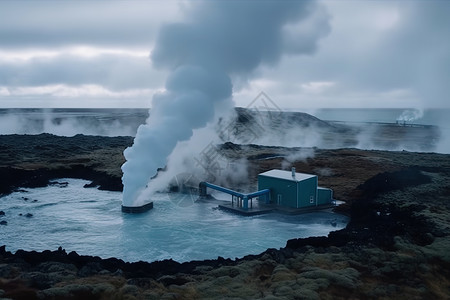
(436, 117)
(90, 222)
(358, 117)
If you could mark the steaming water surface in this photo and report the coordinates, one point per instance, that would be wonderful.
(90, 222)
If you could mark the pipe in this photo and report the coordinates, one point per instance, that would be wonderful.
(244, 197)
(205, 184)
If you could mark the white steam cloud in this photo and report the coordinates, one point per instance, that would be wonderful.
(218, 40)
(67, 122)
(410, 115)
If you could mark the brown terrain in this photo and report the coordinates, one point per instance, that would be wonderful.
(396, 245)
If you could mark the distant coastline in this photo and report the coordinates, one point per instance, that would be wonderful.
(430, 116)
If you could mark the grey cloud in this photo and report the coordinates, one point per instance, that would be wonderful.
(303, 36)
(238, 36)
(112, 71)
(58, 23)
(413, 55)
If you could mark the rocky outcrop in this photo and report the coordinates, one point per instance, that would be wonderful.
(13, 178)
(34, 160)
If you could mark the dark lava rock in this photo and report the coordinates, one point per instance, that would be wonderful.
(140, 282)
(60, 184)
(378, 223)
(2, 213)
(28, 215)
(230, 146)
(171, 279)
(12, 178)
(319, 241)
(51, 157)
(38, 280)
(17, 289)
(91, 268)
(389, 181)
(3, 222)
(91, 185)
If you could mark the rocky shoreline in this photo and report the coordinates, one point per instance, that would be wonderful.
(394, 247)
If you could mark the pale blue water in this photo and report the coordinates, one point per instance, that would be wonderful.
(90, 222)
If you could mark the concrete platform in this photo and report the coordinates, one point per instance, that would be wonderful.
(137, 209)
(258, 208)
(246, 212)
(272, 208)
(297, 211)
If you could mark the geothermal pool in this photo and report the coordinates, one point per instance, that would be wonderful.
(90, 222)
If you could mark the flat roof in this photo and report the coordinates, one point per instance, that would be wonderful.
(287, 175)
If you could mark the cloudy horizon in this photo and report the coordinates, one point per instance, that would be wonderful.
(97, 54)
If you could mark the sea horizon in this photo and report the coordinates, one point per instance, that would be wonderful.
(427, 116)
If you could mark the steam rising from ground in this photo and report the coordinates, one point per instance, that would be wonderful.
(68, 122)
(410, 115)
(219, 39)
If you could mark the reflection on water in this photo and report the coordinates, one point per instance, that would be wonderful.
(90, 222)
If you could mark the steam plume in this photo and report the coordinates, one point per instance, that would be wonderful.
(410, 115)
(219, 39)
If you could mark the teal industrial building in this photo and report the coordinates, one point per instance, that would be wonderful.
(292, 189)
(286, 191)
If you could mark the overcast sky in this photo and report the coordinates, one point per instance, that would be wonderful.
(97, 54)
